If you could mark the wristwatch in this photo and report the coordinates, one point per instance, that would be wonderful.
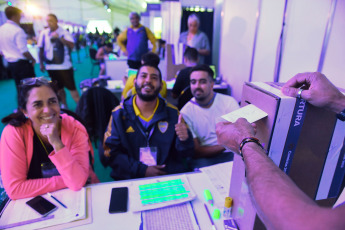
(341, 115)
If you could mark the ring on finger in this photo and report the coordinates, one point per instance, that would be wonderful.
(299, 94)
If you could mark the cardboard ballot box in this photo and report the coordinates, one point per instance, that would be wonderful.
(306, 142)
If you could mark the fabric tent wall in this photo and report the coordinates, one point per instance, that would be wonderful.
(77, 12)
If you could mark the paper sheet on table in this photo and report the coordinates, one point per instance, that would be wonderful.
(249, 112)
(76, 209)
(219, 176)
(178, 216)
(135, 198)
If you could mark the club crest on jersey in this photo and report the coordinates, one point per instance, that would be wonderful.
(163, 126)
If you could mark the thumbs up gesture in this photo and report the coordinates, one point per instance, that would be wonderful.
(181, 129)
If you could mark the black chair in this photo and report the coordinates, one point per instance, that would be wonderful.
(185, 96)
(95, 107)
(94, 61)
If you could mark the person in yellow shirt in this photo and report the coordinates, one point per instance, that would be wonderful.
(133, 41)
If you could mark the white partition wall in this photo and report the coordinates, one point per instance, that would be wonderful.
(334, 66)
(238, 26)
(305, 27)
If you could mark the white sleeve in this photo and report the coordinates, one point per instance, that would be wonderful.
(233, 104)
(40, 40)
(68, 36)
(21, 41)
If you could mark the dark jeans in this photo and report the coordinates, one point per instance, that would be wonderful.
(20, 70)
(133, 64)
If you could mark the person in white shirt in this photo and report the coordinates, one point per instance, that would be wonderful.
(200, 114)
(13, 46)
(55, 44)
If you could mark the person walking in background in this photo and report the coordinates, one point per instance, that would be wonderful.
(103, 52)
(55, 44)
(136, 37)
(13, 46)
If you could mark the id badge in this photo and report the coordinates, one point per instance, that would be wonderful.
(148, 155)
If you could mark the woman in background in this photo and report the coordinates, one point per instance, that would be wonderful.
(195, 38)
(42, 150)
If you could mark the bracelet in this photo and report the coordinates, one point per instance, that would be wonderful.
(341, 115)
(247, 140)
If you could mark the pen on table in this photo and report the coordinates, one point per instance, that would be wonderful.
(209, 216)
(196, 219)
(208, 197)
(49, 194)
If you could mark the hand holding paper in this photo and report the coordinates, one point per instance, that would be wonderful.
(230, 135)
(250, 112)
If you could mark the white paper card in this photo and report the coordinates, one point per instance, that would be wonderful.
(249, 112)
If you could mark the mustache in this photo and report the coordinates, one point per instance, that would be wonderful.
(147, 84)
(198, 89)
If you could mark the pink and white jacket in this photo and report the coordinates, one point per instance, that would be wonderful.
(72, 161)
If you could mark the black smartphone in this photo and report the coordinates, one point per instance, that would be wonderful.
(118, 200)
(41, 205)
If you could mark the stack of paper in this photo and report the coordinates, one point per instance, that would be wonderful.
(76, 209)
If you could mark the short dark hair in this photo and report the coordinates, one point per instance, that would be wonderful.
(53, 16)
(153, 66)
(191, 54)
(134, 14)
(150, 58)
(17, 119)
(11, 11)
(203, 67)
(109, 45)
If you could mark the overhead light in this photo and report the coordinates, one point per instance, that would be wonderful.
(144, 5)
(32, 9)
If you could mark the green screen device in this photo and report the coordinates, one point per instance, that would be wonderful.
(162, 191)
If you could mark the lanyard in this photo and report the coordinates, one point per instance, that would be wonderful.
(146, 134)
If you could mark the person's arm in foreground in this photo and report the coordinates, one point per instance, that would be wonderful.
(280, 203)
(319, 91)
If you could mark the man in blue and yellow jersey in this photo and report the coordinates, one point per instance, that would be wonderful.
(133, 41)
(146, 135)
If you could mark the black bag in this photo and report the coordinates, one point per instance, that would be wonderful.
(58, 51)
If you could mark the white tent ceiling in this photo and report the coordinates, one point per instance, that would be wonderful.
(80, 11)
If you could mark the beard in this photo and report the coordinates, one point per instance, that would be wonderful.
(201, 97)
(146, 97)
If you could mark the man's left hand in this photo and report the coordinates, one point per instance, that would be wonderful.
(181, 129)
